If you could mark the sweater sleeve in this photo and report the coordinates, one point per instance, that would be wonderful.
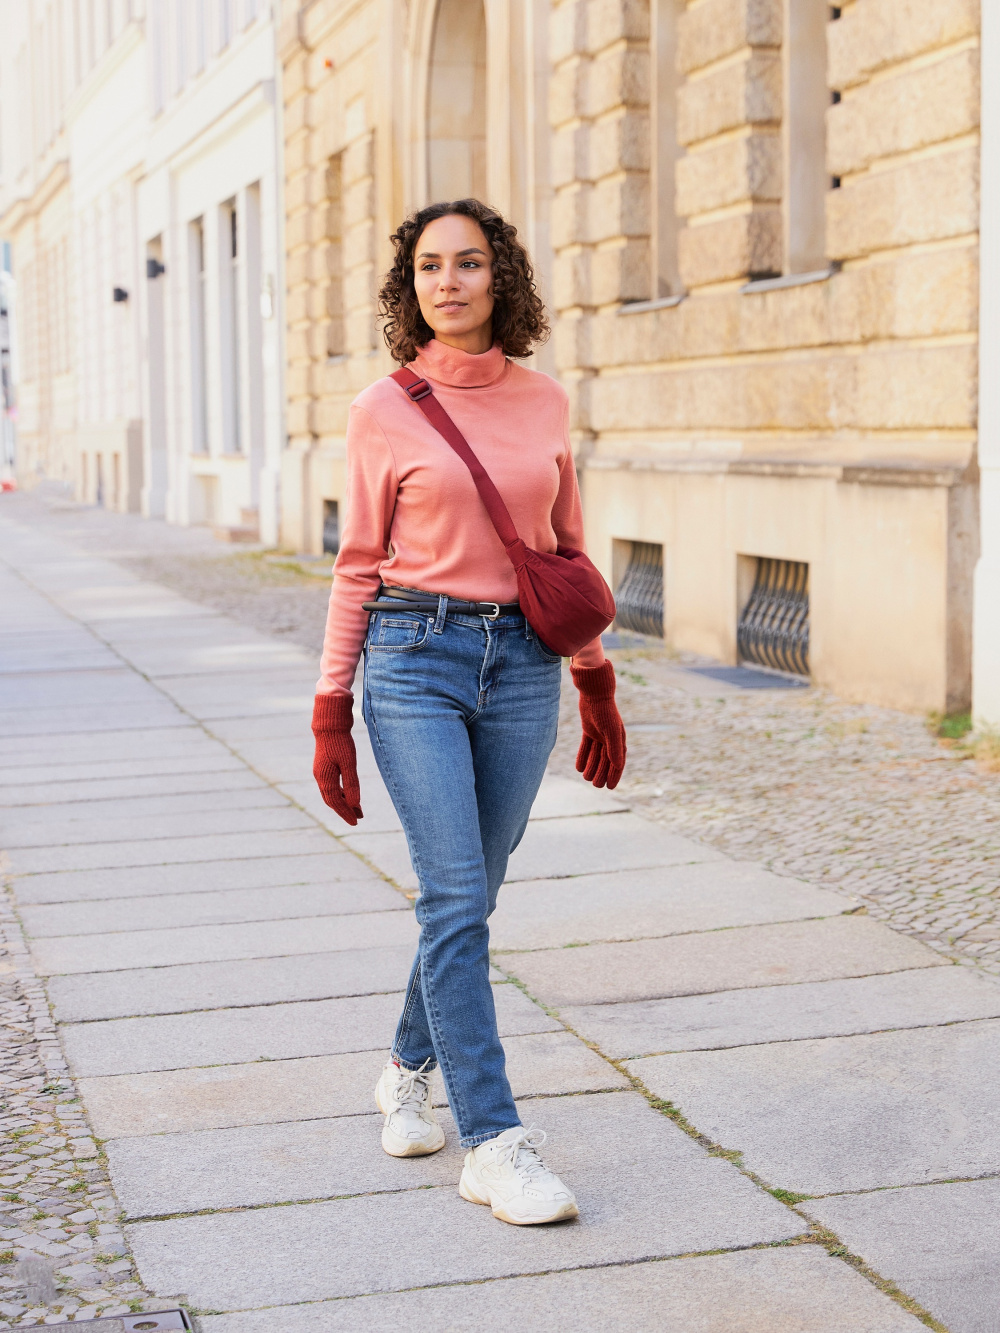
(567, 523)
(372, 483)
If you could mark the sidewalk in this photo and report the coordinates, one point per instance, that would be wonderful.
(697, 1035)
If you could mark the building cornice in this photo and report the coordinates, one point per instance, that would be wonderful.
(30, 205)
(128, 40)
(868, 474)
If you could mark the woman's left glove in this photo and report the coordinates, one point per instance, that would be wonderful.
(335, 766)
(601, 757)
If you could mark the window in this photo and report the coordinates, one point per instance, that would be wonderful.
(773, 627)
(333, 224)
(456, 103)
(664, 149)
(229, 326)
(639, 590)
(331, 527)
(804, 135)
(199, 343)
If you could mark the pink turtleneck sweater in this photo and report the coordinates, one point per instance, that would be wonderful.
(414, 517)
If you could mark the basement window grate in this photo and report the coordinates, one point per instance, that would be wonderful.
(774, 625)
(639, 595)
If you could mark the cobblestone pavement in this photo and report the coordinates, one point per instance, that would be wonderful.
(64, 1256)
(851, 795)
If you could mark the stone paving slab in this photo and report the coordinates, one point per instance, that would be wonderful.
(939, 1243)
(265, 1032)
(559, 798)
(800, 1290)
(323, 1158)
(72, 689)
(171, 851)
(285, 689)
(214, 782)
(243, 791)
(554, 848)
(330, 864)
(232, 906)
(247, 981)
(34, 782)
(268, 815)
(205, 944)
(717, 960)
(633, 904)
(380, 815)
(91, 719)
(847, 1113)
(914, 999)
(649, 1191)
(143, 744)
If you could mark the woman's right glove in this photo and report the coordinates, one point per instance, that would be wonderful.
(335, 766)
(601, 757)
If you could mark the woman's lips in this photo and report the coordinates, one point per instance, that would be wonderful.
(450, 307)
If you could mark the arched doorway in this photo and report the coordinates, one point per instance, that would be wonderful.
(456, 102)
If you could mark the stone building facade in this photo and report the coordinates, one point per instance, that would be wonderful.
(756, 225)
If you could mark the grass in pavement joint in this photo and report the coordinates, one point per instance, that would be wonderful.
(838, 1250)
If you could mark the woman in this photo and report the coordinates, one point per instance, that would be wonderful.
(461, 697)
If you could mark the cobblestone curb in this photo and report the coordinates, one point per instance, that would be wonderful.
(63, 1256)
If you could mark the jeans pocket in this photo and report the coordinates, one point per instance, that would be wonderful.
(397, 634)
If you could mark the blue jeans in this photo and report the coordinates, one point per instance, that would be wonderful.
(462, 714)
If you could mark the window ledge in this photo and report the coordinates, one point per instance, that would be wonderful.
(791, 280)
(640, 307)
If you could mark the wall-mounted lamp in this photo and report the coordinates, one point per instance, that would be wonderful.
(267, 297)
(154, 268)
(120, 294)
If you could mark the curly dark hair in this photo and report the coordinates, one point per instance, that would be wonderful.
(518, 314)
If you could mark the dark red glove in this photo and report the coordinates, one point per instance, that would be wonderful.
(335, 766)
(601, 757)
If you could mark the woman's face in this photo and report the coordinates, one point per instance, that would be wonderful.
(453, 278)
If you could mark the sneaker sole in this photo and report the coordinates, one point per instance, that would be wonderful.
(396, 1146)
(469, 1189)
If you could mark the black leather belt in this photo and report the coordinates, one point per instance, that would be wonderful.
(422, 601)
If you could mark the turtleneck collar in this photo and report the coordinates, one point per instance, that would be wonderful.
(450, 365)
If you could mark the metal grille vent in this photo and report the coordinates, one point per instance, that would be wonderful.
(639, 595)
(774, 626)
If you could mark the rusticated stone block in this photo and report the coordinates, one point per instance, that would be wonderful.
(748, 167)
(916, 389)
(893, 115)
(569, 216)
(611, 21)
(733, 247)
(620, 272)
(619, 77)
(711, 29)
(619, 206)
(617, 142)
(877, 33)
(567, 29)
(568, 154)
(571, 279)
(358, 159)
(746, 93)
(567, 91)
(924, 200)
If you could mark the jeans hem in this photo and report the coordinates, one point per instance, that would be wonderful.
(412, 1069)
(474, 1140)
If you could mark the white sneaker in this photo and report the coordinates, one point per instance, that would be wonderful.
(507, 1173)
(403, 1096)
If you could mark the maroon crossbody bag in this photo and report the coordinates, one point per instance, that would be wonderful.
(563, 596)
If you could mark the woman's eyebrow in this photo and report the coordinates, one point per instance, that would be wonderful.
(472, 250)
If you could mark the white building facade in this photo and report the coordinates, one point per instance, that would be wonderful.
(140, 189)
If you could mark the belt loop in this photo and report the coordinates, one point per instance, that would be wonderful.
(442, 613)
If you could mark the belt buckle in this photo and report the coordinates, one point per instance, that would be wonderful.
(496, 610)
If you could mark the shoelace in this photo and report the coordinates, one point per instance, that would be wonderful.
(410, 1093)
(522, 1152)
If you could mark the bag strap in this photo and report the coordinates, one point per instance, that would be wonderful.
(423, 395)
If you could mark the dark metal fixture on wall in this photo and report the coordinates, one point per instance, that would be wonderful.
(639, 595)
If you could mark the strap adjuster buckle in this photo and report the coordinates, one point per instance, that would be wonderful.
(419, 390)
